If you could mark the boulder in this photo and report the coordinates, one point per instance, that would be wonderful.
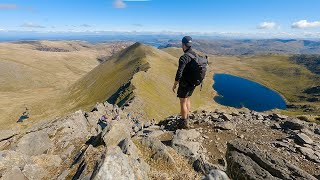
(146, 125)
(115, 166)
(34, 171)
(115, 133)
(6, 134)
(158, 149)
(225, 125)
(226, 117)
(276, 126)
(34, 143)
(10, 159)
(129, 148)
(303, 138)
(259, 117)
(309, 154)
(216, 174)
(183, 143)
(69, 129)
(14, 174)
(293, 124)
(246, 161)
(279, 116)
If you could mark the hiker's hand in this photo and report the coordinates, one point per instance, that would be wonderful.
(174, 86)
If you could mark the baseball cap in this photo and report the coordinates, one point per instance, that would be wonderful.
(187, 40)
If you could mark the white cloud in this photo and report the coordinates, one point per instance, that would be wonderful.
(305, 24)
(267, 25)
(119, 4)
(32, 25)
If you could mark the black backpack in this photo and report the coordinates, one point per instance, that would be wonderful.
(198, 69)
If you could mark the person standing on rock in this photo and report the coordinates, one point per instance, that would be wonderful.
(191, 72)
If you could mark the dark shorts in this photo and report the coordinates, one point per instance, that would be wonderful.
(185, 90)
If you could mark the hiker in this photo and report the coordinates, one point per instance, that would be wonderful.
(190, 73)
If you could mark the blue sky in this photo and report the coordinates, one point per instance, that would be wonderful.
(277, 17)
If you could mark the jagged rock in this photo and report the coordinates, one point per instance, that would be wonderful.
(34, 143)
(183, 144)
(203, 166)
(115, 166)
(93, 117)
(140, 167)
(281, 144)
(129, 148)
(259, 117)
(235, 113)
(69, 129)
(309, 153)
(100, 108)
(14, 174)
(216, 174)
(226, 117)
(34, 171)
(245, 161)
(225, 125)
(146, 125)
(317, 131)
(153, 133)
(293, 124)
(279, 116)
(6, 134)
(10, 159)
(215, 116)
(158, 148)
(136, 129)
(276, 126)
(117, 132)
(303, 138)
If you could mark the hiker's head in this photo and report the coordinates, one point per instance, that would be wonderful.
(186, 42)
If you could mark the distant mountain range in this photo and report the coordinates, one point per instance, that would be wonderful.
(252, 46)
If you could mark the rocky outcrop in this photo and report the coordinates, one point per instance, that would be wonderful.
(245, 161)
(82, 146)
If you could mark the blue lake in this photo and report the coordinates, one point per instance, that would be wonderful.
(239, 92)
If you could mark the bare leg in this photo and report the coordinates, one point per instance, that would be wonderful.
(188, 105)
(184, 108)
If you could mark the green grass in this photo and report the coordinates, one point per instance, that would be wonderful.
(274, 71)
(151, 73)
(38, 79)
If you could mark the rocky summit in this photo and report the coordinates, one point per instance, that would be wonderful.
(108, 143)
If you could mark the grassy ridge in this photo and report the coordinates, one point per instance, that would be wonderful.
(154, 87)
(151, 74)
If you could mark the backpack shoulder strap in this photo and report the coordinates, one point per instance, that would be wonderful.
(191, 55)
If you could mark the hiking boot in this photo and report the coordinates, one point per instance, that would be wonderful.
(185, 124)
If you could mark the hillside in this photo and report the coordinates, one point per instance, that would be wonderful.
(33, 74)
(277, 72)
(142, 72)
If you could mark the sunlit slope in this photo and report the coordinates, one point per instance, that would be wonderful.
(29, 76)
(274, 71)
(35, 74)
(149, 74)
